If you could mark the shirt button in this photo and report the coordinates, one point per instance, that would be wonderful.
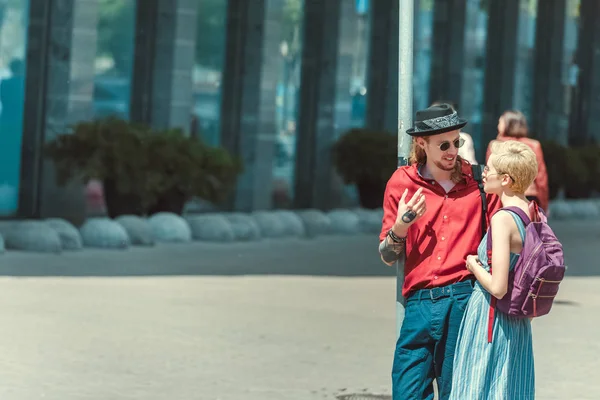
(435, 277)
(445, 217)
(443, 238)
(439, 258)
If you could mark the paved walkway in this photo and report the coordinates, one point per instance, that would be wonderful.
(291, 319)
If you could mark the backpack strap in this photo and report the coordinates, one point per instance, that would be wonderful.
(478, 176)
(516, 210)
(491, 314)
(521, 226)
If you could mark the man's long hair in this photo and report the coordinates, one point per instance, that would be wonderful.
(419, 157)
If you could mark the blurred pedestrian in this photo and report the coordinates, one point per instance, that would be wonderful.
(512, 125)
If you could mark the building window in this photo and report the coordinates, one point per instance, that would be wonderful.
(353, 51)
(14, 18)
(208, 69)
(288, 16)
(471, 101)
(113, 70)
(570, 68)
(114, 58)
(423, 25)
(351, 77)
(525, 53)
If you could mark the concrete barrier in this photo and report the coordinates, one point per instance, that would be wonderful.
(316, 222)
(69, 236)
(170, 228)
(244, 227)
(211, 227)
(138, 229)
(34, 236)
(344, 222)
(104, 233)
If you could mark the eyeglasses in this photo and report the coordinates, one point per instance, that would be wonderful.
(446, 145)
(486, 171)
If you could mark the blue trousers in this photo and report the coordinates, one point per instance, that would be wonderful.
(425, 348)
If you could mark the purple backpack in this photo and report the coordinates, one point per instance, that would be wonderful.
(533, 282)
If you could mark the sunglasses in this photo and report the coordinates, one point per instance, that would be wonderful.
(446, 145)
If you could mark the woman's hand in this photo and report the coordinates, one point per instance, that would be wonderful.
(472, 262)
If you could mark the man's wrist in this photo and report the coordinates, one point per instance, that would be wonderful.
(400, 229)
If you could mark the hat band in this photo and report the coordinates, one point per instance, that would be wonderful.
(437, 123)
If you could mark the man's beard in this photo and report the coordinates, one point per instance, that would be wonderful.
(443, 167)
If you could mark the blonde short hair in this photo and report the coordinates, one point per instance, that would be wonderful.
(517, 160)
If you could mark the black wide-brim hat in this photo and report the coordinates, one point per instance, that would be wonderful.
(436, 119)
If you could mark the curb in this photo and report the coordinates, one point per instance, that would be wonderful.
(57, 235)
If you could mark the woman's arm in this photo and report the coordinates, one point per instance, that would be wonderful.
(497, 282)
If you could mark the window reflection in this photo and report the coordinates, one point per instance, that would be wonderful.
(13, 42)
(471, 101)
(208, 69)
(114, 58)
(113, 69)
(286, 97)
(525, 53)
(351, 88)
(570, 64)
(422, 53)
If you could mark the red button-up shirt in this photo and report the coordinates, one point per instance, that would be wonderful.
(437, 244)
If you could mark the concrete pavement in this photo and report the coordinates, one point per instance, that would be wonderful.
(301, 320)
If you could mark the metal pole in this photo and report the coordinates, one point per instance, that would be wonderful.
(405, 101)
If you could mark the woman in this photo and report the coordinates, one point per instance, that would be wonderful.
(502, 369)
(512, 125)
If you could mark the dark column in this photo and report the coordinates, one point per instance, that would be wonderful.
(548, 119)
(241, 102)
(143, 61)
(382, 68)
(585, 111)
(449, 20)
(164, 60)
(59, 91)
(499, 65)
(316, 128)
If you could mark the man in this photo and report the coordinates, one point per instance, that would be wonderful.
(433, 216)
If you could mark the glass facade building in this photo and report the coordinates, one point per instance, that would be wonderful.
(278, 81)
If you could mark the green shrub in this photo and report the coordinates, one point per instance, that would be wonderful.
(367, 159)
(143, 169)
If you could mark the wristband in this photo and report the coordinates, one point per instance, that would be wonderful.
(395, 238)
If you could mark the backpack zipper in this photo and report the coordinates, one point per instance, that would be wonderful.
(544, 280)
(536, 296)
(534, 252)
